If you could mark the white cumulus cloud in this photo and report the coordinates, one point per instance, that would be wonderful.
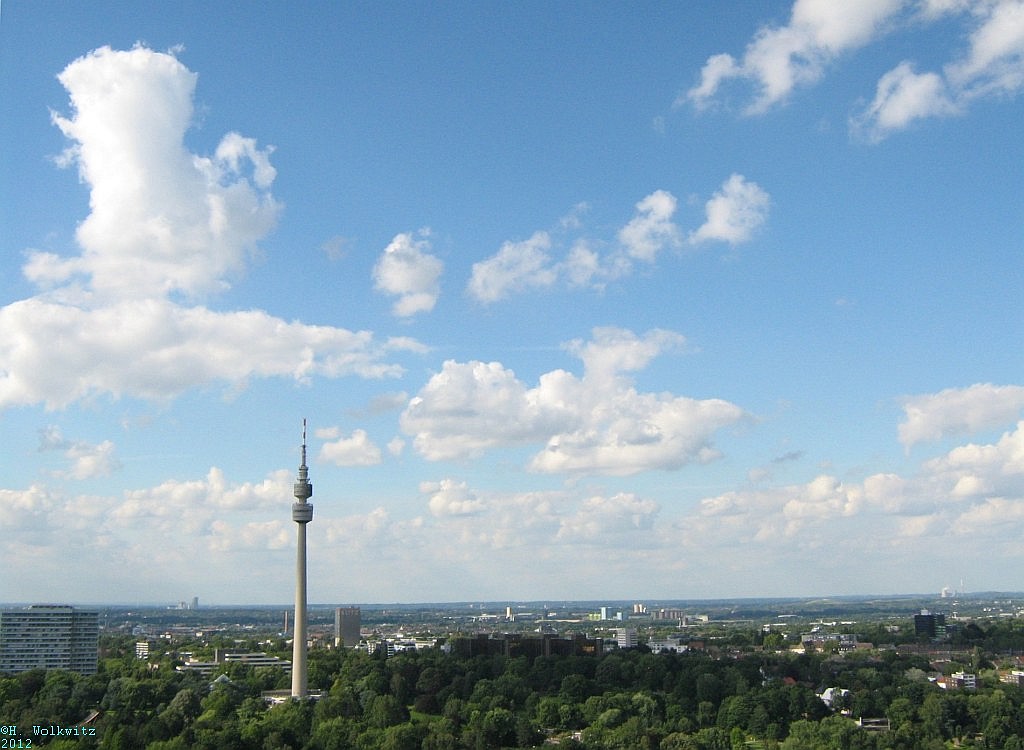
(162, 220)
(155, 349)
(407, 270)
(87, 460)
(992, 66)
(904, 95)
(516, 267)
(451, 498)
(27, 510)
(733, 213)
(165, 225)
(959, 411)
(600, 519)
(974, 490)
(779, 59)
(651, 230)
(355, 450)
(598, 423)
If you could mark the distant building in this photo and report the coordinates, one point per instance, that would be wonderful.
(669, 614)
(930, 624)
(347, 626)
(47, 636)
(1012, 677)
(222, 658)
(626, 637)
(962, 681)
(514, 644)
(142, 649)
(841, 642)
(873, 725)
(675, 644)
(391, 646)
(834, 696)
(680, 616)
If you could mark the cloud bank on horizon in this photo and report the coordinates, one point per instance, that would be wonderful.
(552, 397)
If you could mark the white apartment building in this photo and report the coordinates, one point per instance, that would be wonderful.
(626, 637)
(49, 636)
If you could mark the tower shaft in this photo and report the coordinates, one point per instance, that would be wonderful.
(302, 514)
(299, 634)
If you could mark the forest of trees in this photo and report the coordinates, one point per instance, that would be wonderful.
(430, 700)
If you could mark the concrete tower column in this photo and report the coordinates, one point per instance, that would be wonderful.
(302, 513)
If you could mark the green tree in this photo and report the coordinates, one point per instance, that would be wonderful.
(547, 712)
(53, 702)
(575, 688)
(183, 709)
(441, 735)
(385, 711)
(499, 727)
(773, 642)
(403, 737)
(804, 735)
(336, 733)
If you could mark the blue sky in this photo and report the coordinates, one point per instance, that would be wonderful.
(580, 302)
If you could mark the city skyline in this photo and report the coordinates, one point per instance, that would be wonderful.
(580, 303)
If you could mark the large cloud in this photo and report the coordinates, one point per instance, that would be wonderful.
(57, 354)
(165, 226)
(595, 424)
(162, 219)
(983, 471)
(959, 411)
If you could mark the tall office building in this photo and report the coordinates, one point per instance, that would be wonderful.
(302, 514)
(48, 636)
(347, 624)
(931, 624)
(626, 637)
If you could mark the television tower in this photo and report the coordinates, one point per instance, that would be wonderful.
(302, 513)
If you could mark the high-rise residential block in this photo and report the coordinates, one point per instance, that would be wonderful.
(48, 636)
(347, 624)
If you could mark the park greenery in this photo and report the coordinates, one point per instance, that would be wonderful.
(750, 691)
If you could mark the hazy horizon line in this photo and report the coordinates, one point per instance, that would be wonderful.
(514, 602)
